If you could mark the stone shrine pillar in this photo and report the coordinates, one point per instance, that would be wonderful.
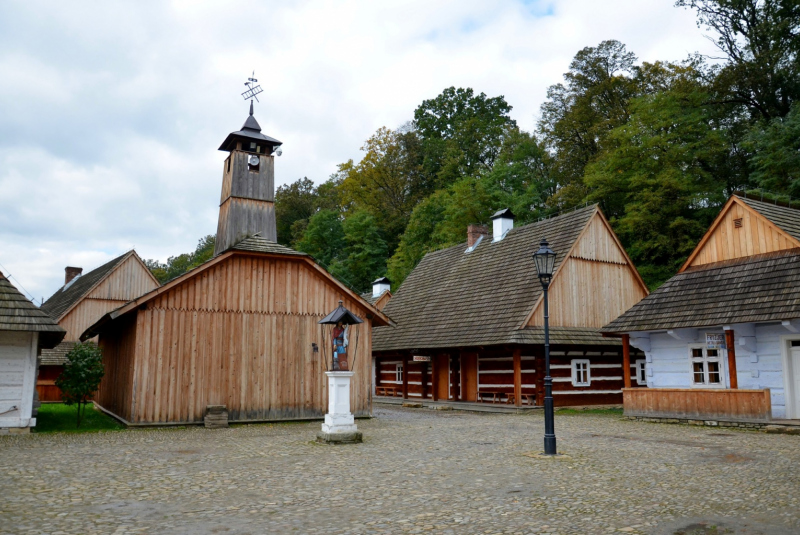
(339, 426)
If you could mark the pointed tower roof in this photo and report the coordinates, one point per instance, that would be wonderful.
(251, 131)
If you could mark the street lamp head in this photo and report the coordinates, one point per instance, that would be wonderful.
(545, 260)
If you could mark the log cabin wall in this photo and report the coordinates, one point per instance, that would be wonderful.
(495, 373)
(739, 232)
(240, 334)
(594, 285)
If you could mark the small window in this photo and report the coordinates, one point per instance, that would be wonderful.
(641, 372)
(398, 373)
(229, 163)
(252, 146)
(581, 376)
(737, 223)
(706, 366)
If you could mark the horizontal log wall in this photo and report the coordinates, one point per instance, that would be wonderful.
(699, 404)
(46, 383)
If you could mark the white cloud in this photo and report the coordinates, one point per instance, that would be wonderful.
(112, 112)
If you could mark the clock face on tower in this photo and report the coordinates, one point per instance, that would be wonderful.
(253, 160)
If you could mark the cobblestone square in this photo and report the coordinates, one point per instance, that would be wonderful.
(418, 471)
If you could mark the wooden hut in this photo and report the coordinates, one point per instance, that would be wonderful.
(24, 332)
(83, 300)
(722, 337)
(240, 330)
(470, 317)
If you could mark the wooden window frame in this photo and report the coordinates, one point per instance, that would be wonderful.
(641, 372)
(574, 366)
(398, 372)
(705, 359)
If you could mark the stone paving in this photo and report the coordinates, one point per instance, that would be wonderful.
(418, 471)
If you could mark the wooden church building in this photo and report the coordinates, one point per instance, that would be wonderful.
(470, 318)
(240, 330)
(84, 299)
(722, 337)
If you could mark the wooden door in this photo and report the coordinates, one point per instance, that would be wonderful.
(443, 379)
(469, 377)
(794, 383)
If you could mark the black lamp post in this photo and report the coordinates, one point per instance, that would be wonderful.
(545, 260)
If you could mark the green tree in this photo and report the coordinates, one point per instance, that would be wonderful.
(294, 202)
(323, 237)
(761, 43)
(81, 377)
(386, 183)
(577, 117)
(178, 265)
(658, 177)
(363, 258)
(461, 133)
(776, 153)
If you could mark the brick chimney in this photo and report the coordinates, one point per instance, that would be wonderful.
(71, 272)
(474, 233)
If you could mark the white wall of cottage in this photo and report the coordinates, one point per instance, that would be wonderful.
(669, 364)
(17, 378)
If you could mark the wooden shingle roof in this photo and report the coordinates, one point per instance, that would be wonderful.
(457, 299)
(19, 314)
(68, 295)
(753, 289)
(257, 244)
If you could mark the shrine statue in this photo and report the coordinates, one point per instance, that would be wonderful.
(340, 343)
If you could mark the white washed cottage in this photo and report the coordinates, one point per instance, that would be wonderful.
(24, 332)
(722, 337)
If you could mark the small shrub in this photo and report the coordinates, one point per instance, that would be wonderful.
(81, 376)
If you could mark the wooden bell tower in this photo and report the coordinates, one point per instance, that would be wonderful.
(247, 203)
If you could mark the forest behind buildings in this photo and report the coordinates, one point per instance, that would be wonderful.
(660, 146)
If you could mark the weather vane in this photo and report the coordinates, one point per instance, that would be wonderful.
(252, 89)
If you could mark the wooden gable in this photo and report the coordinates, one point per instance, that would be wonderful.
(127, 281)
(739, 231)
(596, 282)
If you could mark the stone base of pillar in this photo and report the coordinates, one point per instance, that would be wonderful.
(353, 437)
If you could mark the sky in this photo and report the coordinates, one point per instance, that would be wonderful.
(111, 113)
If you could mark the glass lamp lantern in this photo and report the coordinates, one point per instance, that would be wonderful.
(545, 260)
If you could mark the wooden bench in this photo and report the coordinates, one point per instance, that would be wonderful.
(496, 396)
(527, 399)
(392, 391)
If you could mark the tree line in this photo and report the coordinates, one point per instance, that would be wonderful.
(660, 146)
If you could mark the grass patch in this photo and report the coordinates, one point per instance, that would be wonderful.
(613, 412)
(60, 418)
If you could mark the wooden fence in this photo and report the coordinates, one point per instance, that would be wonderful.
(698, 404)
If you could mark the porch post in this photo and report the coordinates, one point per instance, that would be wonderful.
(626, 360)
(457, 388)
(518, 377)
(405, 376)
(731, 358)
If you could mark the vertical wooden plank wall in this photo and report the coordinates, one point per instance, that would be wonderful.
(754, 235)
(594, 285)
(240, 334)
(119, 350)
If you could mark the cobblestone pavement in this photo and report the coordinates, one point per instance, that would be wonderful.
(418, 471)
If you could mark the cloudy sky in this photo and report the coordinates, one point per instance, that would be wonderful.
(111, 113)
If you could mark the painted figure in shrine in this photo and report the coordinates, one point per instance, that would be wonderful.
(340, 347)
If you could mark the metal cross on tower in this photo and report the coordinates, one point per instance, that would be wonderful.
(252, 89)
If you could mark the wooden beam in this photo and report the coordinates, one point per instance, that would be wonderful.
(405, 376)
(626, 360)
(731, 359)
(518, 377)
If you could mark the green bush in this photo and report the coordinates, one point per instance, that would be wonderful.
(81, 376)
